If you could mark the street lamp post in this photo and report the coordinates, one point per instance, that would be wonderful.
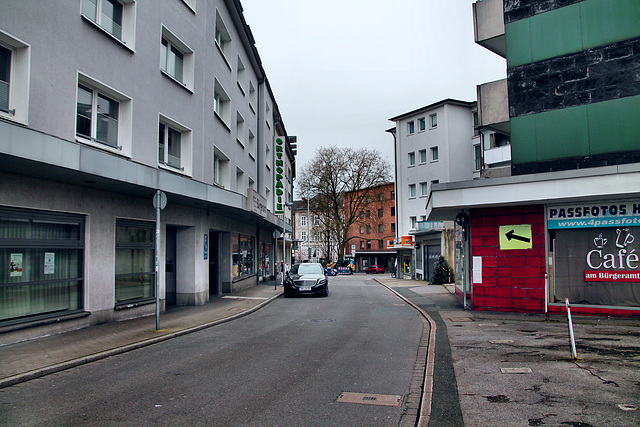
(308, 233)
(284, 243)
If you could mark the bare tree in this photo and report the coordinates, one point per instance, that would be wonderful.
(337, 175)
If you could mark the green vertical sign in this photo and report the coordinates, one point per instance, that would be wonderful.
(280, 195)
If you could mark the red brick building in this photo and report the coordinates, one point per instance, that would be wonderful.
(374, 232)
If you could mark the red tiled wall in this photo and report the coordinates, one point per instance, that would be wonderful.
(512, 280)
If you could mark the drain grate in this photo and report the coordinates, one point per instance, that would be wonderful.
(370, 399)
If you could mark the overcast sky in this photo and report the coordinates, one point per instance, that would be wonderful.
(339, 69)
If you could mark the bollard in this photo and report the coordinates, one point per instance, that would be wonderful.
(574, 353)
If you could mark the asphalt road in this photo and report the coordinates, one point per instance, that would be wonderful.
(285, 365)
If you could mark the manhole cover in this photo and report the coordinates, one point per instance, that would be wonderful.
(322, 320)
(370, 399)
(516, 370)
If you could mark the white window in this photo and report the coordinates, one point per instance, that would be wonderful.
(303, 220)
(253, 97)
(423, 156)
(434, 154)
(252, 145)
(411, 127)
(433, 120)
(303, 236)
(221, 103)
(222, 37)
(412, 190)
(176, 59)
(316, 220)
(191, 4)
(240, 181)
(412, 220)
(412, 158)
(14, 78)
(174, 145)
(422, 124)
(220, 168)
(240, 131)
(117, 18)
(424, 188)
(103, 116)
(477, 155)
(240, 75)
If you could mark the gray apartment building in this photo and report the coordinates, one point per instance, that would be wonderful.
(102, 104)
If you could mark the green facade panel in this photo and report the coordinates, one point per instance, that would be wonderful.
(556, 33)
(585, 130)
(523, 139)
(614, 125)
(570, 29)
(562, 133)
(605, 22)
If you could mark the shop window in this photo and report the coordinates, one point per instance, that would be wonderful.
(242, 249)
(135, 260)
(41, 264)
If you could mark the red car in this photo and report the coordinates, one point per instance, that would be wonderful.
(375, 269)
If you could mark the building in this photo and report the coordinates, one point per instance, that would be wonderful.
(564, 228)
(103, 103)
(433, 144)
(371, 238)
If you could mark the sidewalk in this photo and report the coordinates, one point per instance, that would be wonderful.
(516, 369)
(34, 358)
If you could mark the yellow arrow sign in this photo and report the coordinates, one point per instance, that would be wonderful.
(515, 237)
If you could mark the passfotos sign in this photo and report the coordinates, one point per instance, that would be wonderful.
(607, 214)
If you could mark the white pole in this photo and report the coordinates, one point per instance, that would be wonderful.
(574, 353)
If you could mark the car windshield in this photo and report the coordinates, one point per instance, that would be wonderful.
(307, 269)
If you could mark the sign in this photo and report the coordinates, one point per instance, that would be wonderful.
(515, 237)
(160, 198)
(256, 203)
(49, 262)
(206, 245)
(280, 176)
(15, 265)
(477, 269)
(610, 214)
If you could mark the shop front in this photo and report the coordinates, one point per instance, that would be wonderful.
(594, 256)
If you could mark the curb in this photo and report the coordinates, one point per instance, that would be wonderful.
(424, 412)
(41, 372)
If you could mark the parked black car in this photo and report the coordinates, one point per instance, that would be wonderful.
(306, 279)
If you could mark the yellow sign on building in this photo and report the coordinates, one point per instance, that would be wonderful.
(515, 237)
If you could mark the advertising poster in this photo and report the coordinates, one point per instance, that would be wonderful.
(15, 265)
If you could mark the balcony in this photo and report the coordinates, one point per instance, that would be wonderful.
(493, 106)
(425, 226)
(497, 155)
(488, 26)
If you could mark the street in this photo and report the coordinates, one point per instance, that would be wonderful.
(284, 365)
